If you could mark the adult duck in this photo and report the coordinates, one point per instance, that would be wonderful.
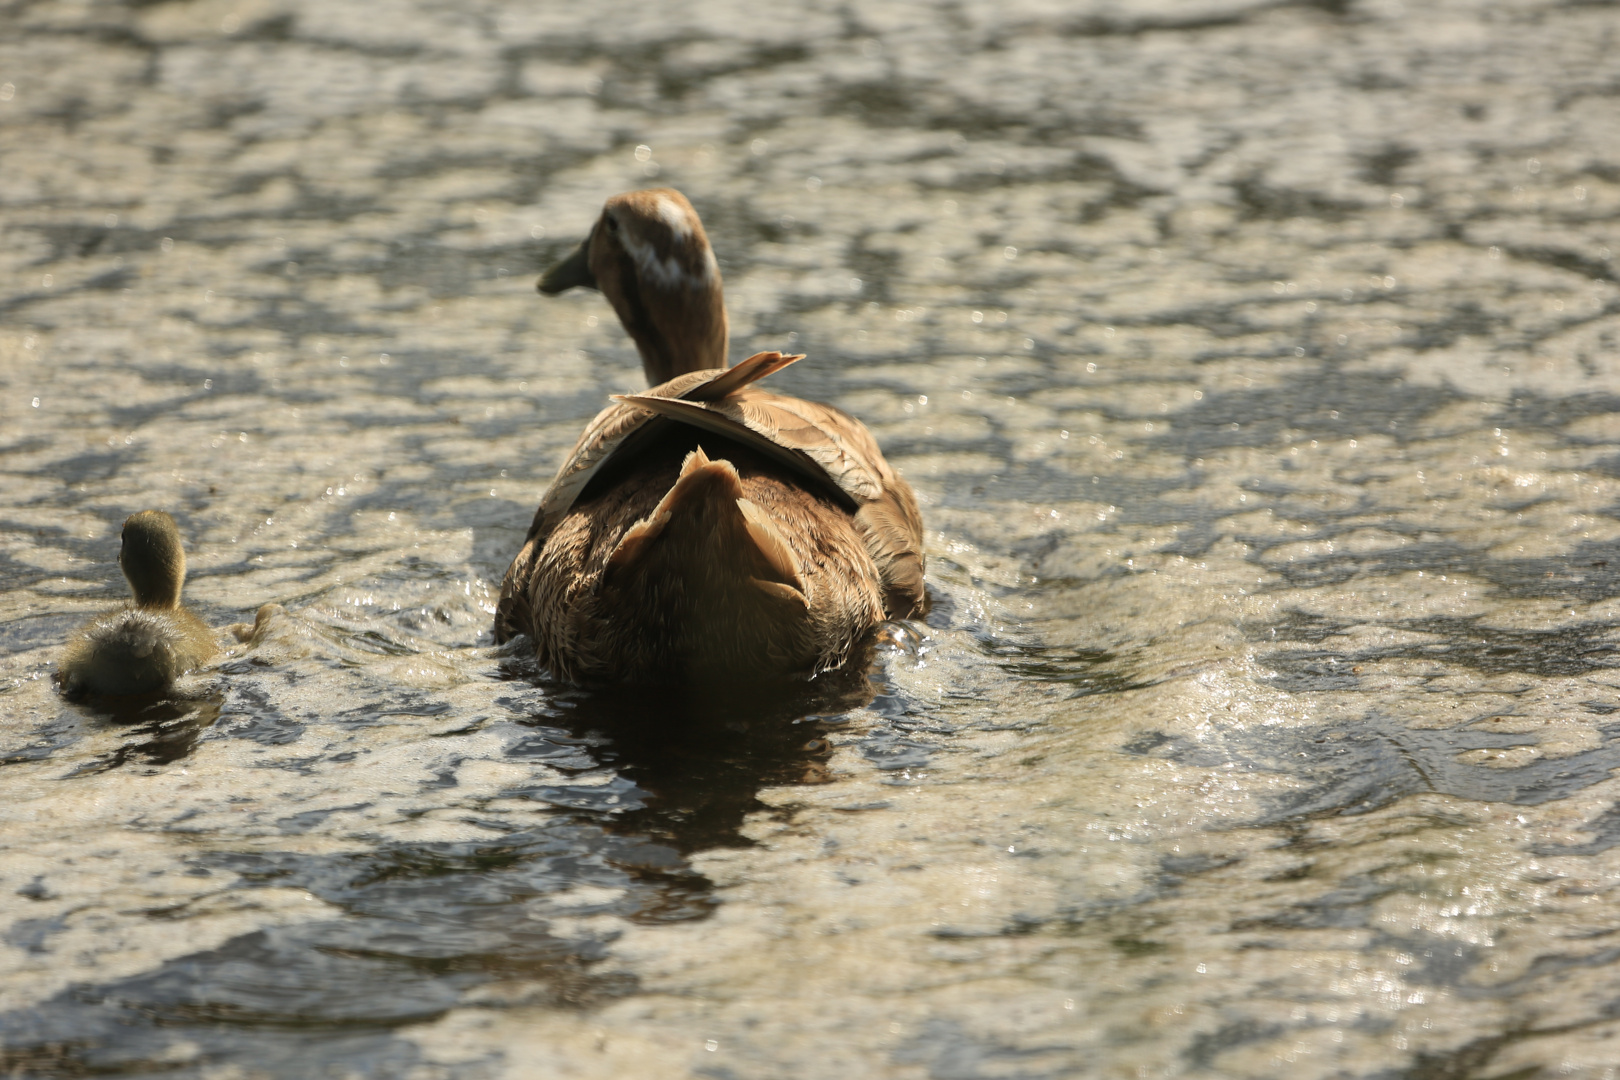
(141, 647)
(706, 529)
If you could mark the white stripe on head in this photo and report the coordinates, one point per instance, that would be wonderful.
(677, 219)
(668, 272)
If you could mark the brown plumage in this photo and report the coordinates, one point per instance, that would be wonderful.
(705, 529)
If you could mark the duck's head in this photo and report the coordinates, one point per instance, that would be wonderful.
(649, 256)
(153, 559)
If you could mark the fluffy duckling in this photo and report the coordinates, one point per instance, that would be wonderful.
(705, 530)
(140, 648)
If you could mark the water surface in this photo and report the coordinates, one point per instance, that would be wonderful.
(1255, 365)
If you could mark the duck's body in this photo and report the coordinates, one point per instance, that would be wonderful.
(706, 529)
(143, 646)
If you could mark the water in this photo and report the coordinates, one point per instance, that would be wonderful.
(1255, 365)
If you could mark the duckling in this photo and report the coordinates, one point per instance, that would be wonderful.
(705, 530)
(140, 648)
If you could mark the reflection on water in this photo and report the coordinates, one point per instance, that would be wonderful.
(697, 762)
(160, 731)
(1255, 365)
(638, 780)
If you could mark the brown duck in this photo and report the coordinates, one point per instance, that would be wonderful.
(705, 529)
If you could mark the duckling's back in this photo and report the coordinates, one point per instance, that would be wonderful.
(134, 650)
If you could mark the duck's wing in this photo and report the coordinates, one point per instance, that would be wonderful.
(616, 430)
(831, 450)
(816, 441)
(620, 426)
(734, 378)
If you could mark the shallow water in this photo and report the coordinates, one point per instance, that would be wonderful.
(1255, 364)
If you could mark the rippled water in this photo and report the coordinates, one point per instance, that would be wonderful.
(1256, 366)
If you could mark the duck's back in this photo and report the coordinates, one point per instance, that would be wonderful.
(694, 565)
(710, 530)
(134, 650)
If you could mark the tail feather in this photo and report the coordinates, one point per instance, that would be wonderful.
(780, 591)
(713, 489)
(636, 539)
(691, 488)
(771, 544)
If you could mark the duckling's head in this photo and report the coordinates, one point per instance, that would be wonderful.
(153, 560)
(649, 256)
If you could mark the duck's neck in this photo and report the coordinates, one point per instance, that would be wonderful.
(684, 339)
(674, 309)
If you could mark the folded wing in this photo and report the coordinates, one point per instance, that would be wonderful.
(826, 448)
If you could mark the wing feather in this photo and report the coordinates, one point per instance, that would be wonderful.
(614, 428)
(741, 374)
(723, 418)
(779, 426)
(824, 446)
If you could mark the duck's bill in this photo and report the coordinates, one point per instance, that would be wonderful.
(572, 271)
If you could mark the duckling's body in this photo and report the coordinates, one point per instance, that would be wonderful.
(706, 529)
(135, 650)
(143, 646)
